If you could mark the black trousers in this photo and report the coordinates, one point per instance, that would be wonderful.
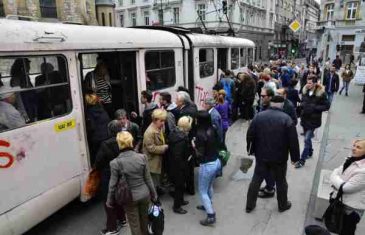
(278, 172)
(179, 181)
(190, 185)
(349, 223)
(363, 104)
(246, 109)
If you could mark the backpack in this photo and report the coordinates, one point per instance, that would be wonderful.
(228, 89)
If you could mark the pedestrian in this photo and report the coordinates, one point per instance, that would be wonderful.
(134, 167)
(272, 153)
(285, 77)
(216, 119)
(337, 63)
(172, 111)
(149, 107)
(97, 120)
(332, 83)
(293, 93)
(227, 83)
(347, 76)
(180, 151)
(108, 151)
(363, 102)
(351, 176)
(222, 106)
(206, 149)
(155, 146)
(314, 102)
(266, 95)
(126, 125)
(288, 107)
(246, 96)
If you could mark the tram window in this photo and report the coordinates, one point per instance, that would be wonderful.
(206, 62)
(160, 69)
(235, 53)
(32, 89)
(242, 57)
(250, 55)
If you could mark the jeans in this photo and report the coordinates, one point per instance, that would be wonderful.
(330, 97)
(346, 87)
(278, 172)
(308, 147)
(207, 174)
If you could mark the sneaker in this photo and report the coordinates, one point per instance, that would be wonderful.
(299, 164)
(210, 220)
(180, 211)
(106, 232)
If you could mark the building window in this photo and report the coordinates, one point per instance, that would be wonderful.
(348, 38)
(160, 16)
(34, 88)
(176, 15)
(120, 2)
(2, 12)
(102, 19)
(235, 53)
(351, 10)
(134, 19)
(160, 70)
(110, 19)
(201, 11)
(242, 16)
(146, 18)
(48, 8)
(121, 20)
(329, 11)
(133, 2)
(206, 62)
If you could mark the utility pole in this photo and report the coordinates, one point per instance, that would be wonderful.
(161, 13)
(225, 12)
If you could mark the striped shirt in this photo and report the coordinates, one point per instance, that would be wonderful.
(103, 90)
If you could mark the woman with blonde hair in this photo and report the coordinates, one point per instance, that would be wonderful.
(96, 124)
(134, 167)
(154, 145)
(223, 108)
(351, 177)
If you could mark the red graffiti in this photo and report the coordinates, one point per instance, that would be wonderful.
(202, 95)
(155, 95)
(8, 156)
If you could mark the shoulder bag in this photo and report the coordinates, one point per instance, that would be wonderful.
(123, 194)
(333, 217)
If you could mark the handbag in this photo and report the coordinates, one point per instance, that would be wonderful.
(92, 185)
(123, 194)
(156, 219)
(333, 217)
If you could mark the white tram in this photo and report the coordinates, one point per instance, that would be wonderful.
(44, 163)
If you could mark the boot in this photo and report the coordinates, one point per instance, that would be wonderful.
(209, 220)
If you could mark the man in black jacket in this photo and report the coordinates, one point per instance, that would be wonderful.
(332, 83)
(314, 102)
(272, 153)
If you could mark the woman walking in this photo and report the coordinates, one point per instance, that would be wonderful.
(347, 76)
(206, 149)
(222, 107)
(351, 176)
(134, 167)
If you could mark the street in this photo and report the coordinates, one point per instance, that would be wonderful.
(231, 190)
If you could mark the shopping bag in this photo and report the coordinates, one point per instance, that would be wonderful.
(92, 184)
(333, 216)
(156, 219)
(224, 156)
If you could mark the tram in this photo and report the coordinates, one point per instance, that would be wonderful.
(45, 161)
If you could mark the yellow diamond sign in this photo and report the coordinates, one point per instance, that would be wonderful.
(295, 26)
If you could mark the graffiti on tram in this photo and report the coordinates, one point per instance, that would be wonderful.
(7, 159)
(202, 94)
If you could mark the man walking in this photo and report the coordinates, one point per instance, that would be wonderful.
(332, 83)
(337, 63)
(314, 102)
(272, 153)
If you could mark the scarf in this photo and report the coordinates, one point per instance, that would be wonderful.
(351, 160)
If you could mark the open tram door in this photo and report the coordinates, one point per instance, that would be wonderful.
(222, 56)
(122, 79)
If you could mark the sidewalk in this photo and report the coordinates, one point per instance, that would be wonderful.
(345, 125)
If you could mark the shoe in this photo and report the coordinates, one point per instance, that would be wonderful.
(180, 211)
(340, 93)
(347, 94)
(200, 207)
(121, 224)
(286, 207)
(184, 203)
(266, 194)
(190, 192)
(299, 164)
(363, 112)
(106, 232)
(209, 220)
(248, 209)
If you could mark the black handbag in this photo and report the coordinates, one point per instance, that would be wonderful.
(123, 194)
(333, 217)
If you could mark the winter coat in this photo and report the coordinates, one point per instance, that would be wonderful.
(223, 110)
(313, 106)
(189, 109)
(347, 76)
(335, 83)
(154, 147)
(179, 149)
(247, 91)
(337, 63)
(293, 96)
(217, 123)
(285, 79)
(354, 187)
(206, 145)
(135, 168)
(97, 121)
(270, 123)
(290, 110)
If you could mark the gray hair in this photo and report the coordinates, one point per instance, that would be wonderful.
(277, 105)
(114, 128)
(184, 96)
(120, 113)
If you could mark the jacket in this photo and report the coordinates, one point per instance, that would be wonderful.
(247, 91)
(313, 106)
(354, 187)
(189, 109)
(271, 136)
(97, 121)
(337, 63)
(147, 116)
(217, 123)
(223, 110)
(290, 110)
(179, 150)
(135, 168)
(335, 83)
(293, 96)
(206, 145)
(347, 76)
(154, 147)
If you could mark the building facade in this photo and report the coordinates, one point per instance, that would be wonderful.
(342, 28)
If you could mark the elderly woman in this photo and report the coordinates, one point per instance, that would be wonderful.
(180, 152)
(134, 167)
(351, 176)
(154, 145)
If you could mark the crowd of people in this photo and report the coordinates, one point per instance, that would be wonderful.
(158, 151)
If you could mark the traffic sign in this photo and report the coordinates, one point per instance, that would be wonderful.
(295, 26)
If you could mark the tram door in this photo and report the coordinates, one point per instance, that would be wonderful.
(222, 58)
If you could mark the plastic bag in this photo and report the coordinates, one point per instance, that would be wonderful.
(92, 184)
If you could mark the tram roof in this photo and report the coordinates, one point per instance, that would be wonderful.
(203, 40)
(36, 36)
